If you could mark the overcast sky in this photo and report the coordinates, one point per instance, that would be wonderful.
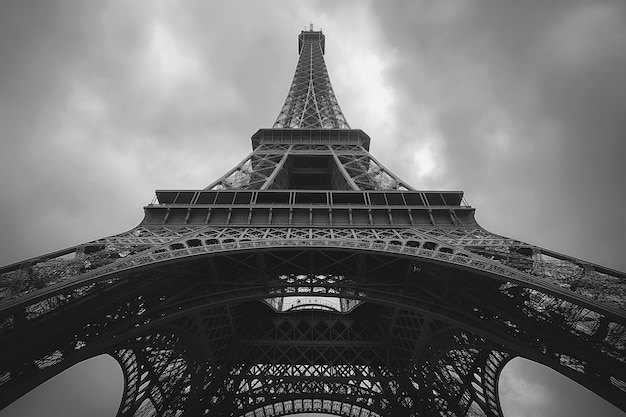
(522, 105)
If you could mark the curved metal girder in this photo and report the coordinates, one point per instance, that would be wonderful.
(416, 301)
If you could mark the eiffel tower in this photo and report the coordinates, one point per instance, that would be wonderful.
(310, 278)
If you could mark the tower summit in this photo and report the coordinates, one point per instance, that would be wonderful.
(310, 278)
(311, 102)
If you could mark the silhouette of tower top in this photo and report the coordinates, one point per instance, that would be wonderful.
(311, 146)
(310, 278)
(311, 101)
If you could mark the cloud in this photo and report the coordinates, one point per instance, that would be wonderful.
(71, 393)
(530, 390)
(525, 102)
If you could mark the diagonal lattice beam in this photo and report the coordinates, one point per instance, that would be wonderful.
(311, 101)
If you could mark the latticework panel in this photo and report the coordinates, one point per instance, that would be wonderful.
(406, 304)
(352, 167)
(523, 263)
(590, 281)
(463, 373)
(158, 374)
(311, 102)
(369, 174)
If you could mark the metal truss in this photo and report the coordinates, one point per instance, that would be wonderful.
(470, 248)
(159, 375)
(311, 102)
(418, 315)
(436, 332)
(353, 168)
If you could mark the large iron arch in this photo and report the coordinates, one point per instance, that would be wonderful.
(402, 284)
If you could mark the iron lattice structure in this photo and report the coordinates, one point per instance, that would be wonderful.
(311, 102)
(311, 279)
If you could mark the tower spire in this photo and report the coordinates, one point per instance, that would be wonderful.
(311, 101)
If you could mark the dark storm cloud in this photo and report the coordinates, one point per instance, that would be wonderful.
(527, 101)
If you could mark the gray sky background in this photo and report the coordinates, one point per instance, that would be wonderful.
(520, 104)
